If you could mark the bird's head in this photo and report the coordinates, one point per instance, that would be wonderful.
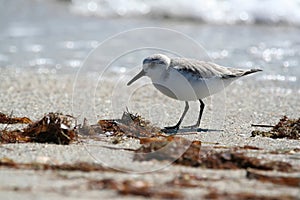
(151, 65)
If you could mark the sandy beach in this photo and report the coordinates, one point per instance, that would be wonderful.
(78, 63)
(245, 104)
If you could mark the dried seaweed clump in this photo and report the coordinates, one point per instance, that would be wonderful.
(178, 149)
(190, 153)
(287, 180)
(52, 128)
(232, 159)
(4, 119)
(137, 188)
(129, 125)
(77, 166)
(286, 128)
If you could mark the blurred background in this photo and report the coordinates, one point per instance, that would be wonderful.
(55, 36)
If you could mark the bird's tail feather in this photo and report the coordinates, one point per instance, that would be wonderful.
(251, 71)
(241, 73)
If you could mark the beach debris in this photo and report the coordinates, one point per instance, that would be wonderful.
(136, 187)
(248, 147)
(289, 151)
(165, 190)
(190, 180)
(233, 159)
(4, 119)
(215, 194)
(190, 153)
(14, 136)
(262, 125)
(52, 128)
(292, 181)
(286, 128)
(77, 166)
(87, 129)
(57, 128)
(178, 149)
(129, 125)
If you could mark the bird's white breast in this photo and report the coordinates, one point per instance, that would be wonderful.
(187, 86)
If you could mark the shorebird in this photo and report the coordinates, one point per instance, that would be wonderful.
(187, 80)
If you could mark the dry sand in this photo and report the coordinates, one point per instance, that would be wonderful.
(247, 101)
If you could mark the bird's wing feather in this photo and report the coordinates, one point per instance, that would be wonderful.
(204, 69)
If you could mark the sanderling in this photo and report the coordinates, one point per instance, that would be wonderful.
(188, 80)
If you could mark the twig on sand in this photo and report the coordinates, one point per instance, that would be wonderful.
(262, 125)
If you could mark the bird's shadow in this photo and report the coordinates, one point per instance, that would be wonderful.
(189, 130)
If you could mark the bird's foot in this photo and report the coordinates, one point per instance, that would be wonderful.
(170, 130)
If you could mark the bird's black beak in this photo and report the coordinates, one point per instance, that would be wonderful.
(139, 75)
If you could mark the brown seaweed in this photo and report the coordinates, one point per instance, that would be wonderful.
(77, 166)
(278, 179)
(136, 187)
(185, 152)
(52, 128)
(190, 180)
(173, 148)
(216, 195)
(232, 159)
(4, 119)
(129, 125)
(286, 128)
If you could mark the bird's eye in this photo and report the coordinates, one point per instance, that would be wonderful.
(158, 61)
(161, 62)
(146, 61)
(154, 61)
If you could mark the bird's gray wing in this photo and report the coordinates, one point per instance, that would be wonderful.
(204, 69)
(200, 68)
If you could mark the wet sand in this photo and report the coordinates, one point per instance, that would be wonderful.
(245, 102)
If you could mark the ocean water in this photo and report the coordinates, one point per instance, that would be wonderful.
(57, 36)
(212, 11)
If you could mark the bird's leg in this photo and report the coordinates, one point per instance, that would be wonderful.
(202, 105)
(176, 127)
